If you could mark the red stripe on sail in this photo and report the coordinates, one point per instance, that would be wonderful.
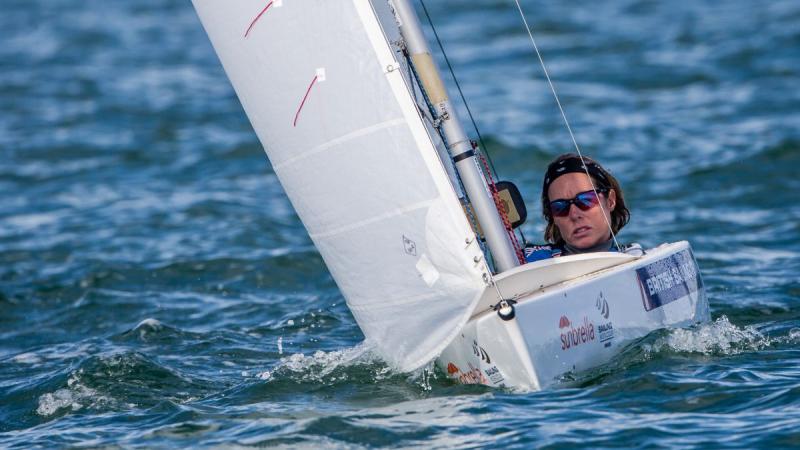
(256, 19)
(305, 97)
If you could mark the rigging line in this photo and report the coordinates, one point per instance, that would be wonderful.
(484, 149)
(503, 215)
(458, 86)
(433, 116)
(411, 77)
(413, 83)
(463, 192)
(524, 239)
(566, 122)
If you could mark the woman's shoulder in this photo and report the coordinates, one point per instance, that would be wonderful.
(538, 252)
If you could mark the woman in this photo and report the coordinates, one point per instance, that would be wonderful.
(581, 212)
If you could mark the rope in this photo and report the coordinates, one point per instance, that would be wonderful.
(484, 154)
(566, 122)
(428, 104)
(432, 111)
(499, 205)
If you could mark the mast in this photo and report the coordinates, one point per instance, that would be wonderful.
(458, 144)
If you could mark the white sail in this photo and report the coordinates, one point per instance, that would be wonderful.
(321, 86)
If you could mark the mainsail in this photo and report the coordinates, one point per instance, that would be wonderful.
(324, 92)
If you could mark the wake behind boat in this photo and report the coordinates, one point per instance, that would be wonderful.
(358, 125)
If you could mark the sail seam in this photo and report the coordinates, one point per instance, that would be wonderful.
(372, 306)
(340, 140)
(371, 220)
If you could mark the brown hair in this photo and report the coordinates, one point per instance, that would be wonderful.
(619, 215)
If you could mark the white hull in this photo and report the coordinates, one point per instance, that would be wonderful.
(574, 313)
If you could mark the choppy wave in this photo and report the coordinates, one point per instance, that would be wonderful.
(157, 289)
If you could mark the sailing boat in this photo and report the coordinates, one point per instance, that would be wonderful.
(357, 123)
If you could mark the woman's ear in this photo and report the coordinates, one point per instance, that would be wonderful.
(612, 199)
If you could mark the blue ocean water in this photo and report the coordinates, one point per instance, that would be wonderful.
(157, 289)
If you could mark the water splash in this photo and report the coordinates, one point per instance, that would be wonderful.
(720, 337)
(320, 366)
(423, 376)
(794, 334)
(360, 365)
(74, 397)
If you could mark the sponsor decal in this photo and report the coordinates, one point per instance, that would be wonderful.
(574, 335)
(494, 374)
(602, 305)
(472, 376)
(668, 279)
(606, 333)
(481, 353)
(409, 246)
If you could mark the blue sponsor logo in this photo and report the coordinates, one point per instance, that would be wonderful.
(606, 332)
(669, 279)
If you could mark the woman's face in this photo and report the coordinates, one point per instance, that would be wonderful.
(581, 229)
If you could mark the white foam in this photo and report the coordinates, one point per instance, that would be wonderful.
(66, 351)
(328, 360)
(32, 221)
(27, 358)
(74, 397)
(148, 326)
(720, 336)
(149, 322)
(319, 366)
(333, 366)
(794, 334)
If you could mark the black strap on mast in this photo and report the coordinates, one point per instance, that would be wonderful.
(483, 146)
(458, 86)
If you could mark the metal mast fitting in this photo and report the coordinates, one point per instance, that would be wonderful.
(458, 144)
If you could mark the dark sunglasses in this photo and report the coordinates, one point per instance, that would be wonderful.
(585, 201)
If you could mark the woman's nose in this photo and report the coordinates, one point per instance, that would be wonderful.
(574, 211)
